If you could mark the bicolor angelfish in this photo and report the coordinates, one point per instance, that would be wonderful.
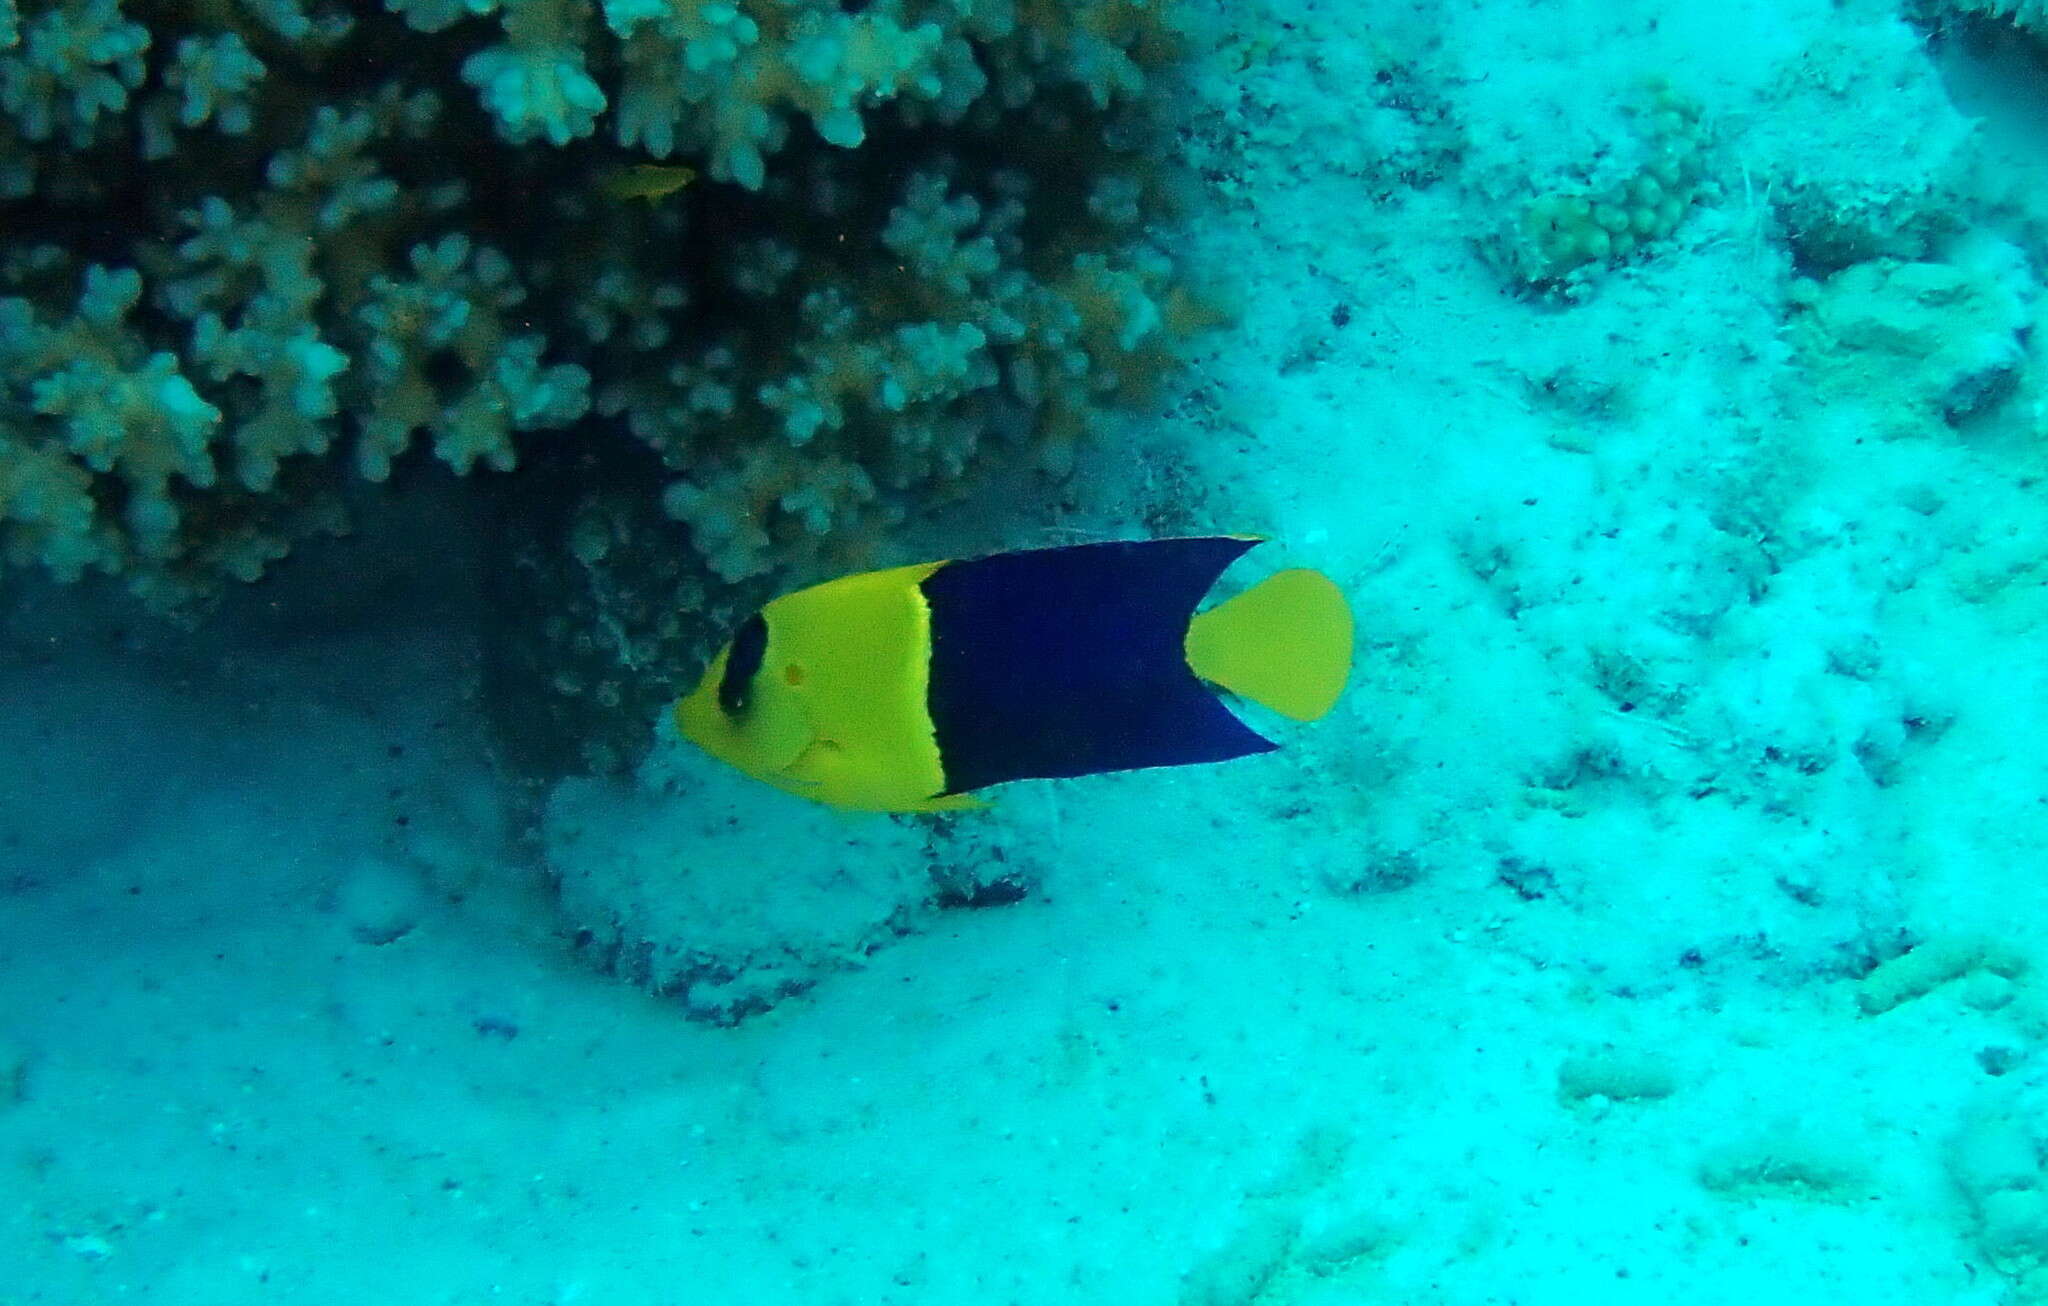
(910, 688)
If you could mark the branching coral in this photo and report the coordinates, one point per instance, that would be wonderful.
(72, 70)
(251, 255)
(98, 395)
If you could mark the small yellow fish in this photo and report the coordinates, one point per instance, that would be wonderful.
(905, 690)
(648, 181)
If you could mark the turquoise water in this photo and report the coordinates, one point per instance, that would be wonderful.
(1658, 917)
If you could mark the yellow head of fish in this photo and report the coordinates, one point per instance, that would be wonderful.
(746, 719)
(822, 693)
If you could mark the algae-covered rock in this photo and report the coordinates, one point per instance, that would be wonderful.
(1859, 151)
(1919, 343)
(1998, 1162)
(698, 883)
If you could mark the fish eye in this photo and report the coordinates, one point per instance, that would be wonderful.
(749, 646)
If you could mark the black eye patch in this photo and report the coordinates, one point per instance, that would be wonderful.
(749, 646)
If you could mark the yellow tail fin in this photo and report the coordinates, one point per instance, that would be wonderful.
(1284, 643)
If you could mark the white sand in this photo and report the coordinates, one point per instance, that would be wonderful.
(1694, 680)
